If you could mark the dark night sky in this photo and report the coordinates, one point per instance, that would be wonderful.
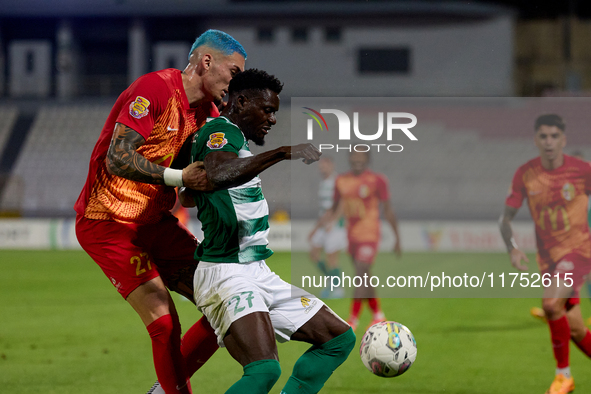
(546, 9)
(527, 9)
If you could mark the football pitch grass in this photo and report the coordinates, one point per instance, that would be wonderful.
(64, 329)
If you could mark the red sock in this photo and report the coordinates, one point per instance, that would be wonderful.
(560, 335)
(198, 344)
(168, 360)
(374, 304)
(356, 308)
(585, 344)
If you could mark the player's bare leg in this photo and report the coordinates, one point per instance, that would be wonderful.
(153, 304)
(251, 341)
(361, 269)
(323, 266)
(332, 262)
(332, 340)
(324, 326)
(576, 323)
(554, 305)
(315, 253)
(358, 295)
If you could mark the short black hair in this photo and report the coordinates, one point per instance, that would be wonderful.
(549, 120)
(253, 79)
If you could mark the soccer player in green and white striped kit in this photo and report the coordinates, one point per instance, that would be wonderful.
(328, 235)
(247, 304)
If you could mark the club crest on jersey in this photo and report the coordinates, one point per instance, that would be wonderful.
(217, 141)
(305, 302)
(139, 108)
(568, 191)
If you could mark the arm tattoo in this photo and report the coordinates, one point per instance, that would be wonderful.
(124, 161)
(505, 227)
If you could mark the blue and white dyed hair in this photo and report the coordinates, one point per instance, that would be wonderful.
(219, 41)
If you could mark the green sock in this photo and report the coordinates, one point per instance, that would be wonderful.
(315, 366)
(334, 272)
(323, 268)
(259, 377)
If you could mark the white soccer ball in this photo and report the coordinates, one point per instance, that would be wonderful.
(388, 349)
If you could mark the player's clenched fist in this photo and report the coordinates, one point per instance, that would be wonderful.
(308, 152)
(194, 177)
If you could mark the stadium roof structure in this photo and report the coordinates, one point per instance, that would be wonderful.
(392, 11)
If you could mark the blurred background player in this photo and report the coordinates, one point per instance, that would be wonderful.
(123, 212)
(537, 312)
(327, 236)
(359, 194)
(556, 187)
(181, 213)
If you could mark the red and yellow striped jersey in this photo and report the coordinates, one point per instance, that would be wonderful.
(557, 201)
(155, 106)
(361, 195)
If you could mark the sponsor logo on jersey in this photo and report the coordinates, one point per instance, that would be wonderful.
(116, 284)
(139, 108)
(565, 265)
(217, 141)
(308, 304)
(568, 191)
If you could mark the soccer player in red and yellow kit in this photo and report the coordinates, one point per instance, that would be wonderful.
(123, 212)
(358, 195)
(556, 187)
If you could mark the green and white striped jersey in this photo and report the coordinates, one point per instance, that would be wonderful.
(326, 197)
(326, 193)
(234, 221)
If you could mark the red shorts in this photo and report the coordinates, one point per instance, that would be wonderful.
(132, 254)
(577, 266)
(363, 252)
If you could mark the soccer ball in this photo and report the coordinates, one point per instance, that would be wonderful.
(388, 349)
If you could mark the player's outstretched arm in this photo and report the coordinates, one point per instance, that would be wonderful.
(515, 254)
(225, 169)
(393, 220)
(123, 160)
